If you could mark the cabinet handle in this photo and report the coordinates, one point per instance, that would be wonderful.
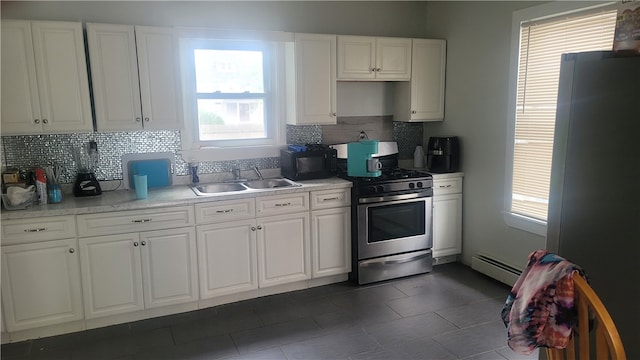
(143, 243)
(259, 227)
(72, 250)
(138, 119)
(378, 69)
(373, 69)
(413, 111)
(224, 211)
(331, 198)
(35, 230)
(141, 221)
(445, 186)
(253, 228)
(146, 119)
(135, 243)
(45, 121)
(37, 121)
(283, 204)
(334, 114)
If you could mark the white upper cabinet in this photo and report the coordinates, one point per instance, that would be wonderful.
(45, 87)
(422, 99)
(311, 80)
(134, 77)
(374, 58)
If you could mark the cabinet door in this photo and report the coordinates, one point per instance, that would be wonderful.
(114, 71)
(159, 87)
(315, 79)
(282, 204)
(134, 221)
(393, 59)
(20, 103)
(41, 284)
(331, 241)
(326, 199)
(283, 249)
(61, 70)
(356, 58)
(447, 225)
(20, 231)
(427, 82)
(227, 258)
(226, 210)
(169, 267)
(111, 274)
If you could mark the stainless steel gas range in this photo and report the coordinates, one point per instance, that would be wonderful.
(392, 220)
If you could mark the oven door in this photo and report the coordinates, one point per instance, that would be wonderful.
(394, 224)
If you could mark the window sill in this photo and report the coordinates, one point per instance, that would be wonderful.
(235, 153)
(524, 223)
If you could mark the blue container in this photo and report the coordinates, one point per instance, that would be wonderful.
(297, 148)
(357, 155)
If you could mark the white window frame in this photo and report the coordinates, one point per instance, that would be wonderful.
(547, 10)
(192, 150)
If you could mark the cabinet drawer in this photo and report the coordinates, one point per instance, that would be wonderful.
(40, 229)
(447, 186)
(136, 220)
(282, 204)
(229, 210)
(330, 198)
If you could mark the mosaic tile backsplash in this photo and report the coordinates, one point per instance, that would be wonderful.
(27, 152)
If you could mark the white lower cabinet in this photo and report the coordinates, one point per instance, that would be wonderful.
(239, 251)
(447, 216)
(331, 241)
(227, 258)
(128, 272)
(41, 284)
(283, 249)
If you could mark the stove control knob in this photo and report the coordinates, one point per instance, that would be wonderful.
(411, 186)
(371, 189)
(380, 188)
(419, 184)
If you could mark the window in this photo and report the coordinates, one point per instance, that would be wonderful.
(231, 93)
(231, 90)
(533, 108)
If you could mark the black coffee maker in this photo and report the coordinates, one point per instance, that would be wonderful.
(86, 157)
(443, 154)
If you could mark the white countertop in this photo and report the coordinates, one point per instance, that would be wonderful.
(119, 200)
(408, 164)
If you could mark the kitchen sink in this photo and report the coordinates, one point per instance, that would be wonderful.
(209, 189)
(218, 188)
(270, 183)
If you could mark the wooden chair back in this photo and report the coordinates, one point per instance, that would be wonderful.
(605, 343)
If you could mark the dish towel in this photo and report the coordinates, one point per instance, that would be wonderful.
(540, 311)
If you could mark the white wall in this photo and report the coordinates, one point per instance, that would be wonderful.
(478, 37)
(384, 18)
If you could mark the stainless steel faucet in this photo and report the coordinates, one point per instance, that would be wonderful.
(236, 173)
(255, 168)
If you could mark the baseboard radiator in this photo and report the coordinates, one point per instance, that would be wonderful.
(495, 268)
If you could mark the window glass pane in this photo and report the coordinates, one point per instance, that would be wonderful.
(541, 47)
(229, 71)
(231, 119)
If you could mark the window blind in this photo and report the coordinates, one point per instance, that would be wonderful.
(541, 46)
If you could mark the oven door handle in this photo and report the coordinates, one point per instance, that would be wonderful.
(368, 200)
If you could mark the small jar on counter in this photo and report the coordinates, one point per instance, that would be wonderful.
(55, 193)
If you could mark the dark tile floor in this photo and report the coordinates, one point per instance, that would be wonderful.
(450, 313)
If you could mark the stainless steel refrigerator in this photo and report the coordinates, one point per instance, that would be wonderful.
(594, 201)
